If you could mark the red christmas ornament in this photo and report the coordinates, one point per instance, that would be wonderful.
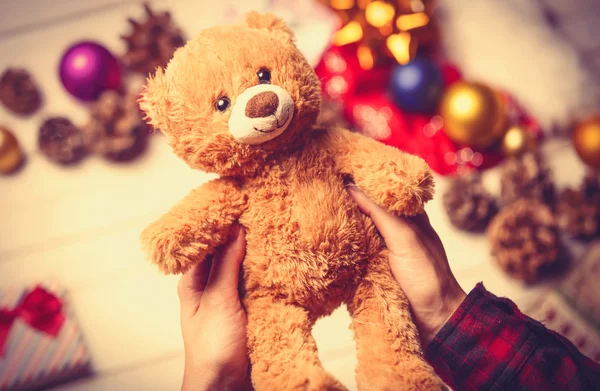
(341, 74)
(367, 104)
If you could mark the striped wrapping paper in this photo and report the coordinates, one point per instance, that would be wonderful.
(557, 314)
(573, 307)
(33, 359)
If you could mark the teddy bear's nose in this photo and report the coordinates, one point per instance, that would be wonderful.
(262, 105)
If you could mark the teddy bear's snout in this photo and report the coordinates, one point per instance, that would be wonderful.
(261, 113)
(262, 105)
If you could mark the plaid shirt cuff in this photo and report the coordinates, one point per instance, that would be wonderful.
(483, 345)
(488, 344)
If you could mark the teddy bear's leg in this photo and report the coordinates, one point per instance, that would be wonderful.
(387, 343)
(282, 350)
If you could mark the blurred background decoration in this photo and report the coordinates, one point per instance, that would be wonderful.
(500, 97)
(384, 29)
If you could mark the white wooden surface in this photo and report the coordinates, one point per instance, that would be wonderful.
(80, 226)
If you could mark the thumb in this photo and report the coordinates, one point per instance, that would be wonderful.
(396, 231)
(191, 287)
(224, 274)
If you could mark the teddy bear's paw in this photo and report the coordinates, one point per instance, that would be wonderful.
(407, 198)
(173, 250)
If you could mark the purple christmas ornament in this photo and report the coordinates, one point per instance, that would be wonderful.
(87, 68)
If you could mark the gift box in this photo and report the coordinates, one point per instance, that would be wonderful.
(557, 314)
(581, 287)
(572, 309)
(40, 342)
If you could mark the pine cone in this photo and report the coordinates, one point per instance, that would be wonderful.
(526, 177)
(152, 42)
(61, 141)
(116, 129)
(591, 186)
(579, 210)
(524, 239)
(468, 205)
(19, 92)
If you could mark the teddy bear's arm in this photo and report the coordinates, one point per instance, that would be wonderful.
(194, 227)
(399, 182)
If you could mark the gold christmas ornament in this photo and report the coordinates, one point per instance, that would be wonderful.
(517, 141)
(474, 114)
(10, 152)
(384, 29)
(586, 139)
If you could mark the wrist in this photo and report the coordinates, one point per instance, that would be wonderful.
(438, 319)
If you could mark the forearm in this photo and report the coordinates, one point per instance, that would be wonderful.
(489, 344)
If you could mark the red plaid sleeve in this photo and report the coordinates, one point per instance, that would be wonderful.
(488, 344)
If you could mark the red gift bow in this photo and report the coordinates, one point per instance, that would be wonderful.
(40, 309)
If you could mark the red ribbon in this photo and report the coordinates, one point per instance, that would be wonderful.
(40, 309)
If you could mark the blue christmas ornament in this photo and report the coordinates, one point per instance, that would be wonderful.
(417, 86)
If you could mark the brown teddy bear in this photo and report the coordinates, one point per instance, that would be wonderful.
(241, 101)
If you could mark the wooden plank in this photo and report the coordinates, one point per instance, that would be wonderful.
(120, 300)
(129, 319)
(165, 374)
(103, 196)
(333, 334)
(31, 15)
(135, 318)
(342, 368)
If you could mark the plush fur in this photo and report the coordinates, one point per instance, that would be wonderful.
(510, 45)
(309, 248)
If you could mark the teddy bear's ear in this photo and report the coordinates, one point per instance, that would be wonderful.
(270, 22)
(154, 101)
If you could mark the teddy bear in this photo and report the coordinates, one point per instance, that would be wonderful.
(241, 101)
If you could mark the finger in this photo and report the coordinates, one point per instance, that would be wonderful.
(224, 275)
(191, 286)
(431, 238)
(422, 220)
(396, 231)
(422, 223)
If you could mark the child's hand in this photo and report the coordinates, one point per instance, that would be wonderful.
(419, 264)
(213, 322)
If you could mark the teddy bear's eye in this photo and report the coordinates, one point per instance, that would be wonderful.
(264, 76)
(222, 103)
